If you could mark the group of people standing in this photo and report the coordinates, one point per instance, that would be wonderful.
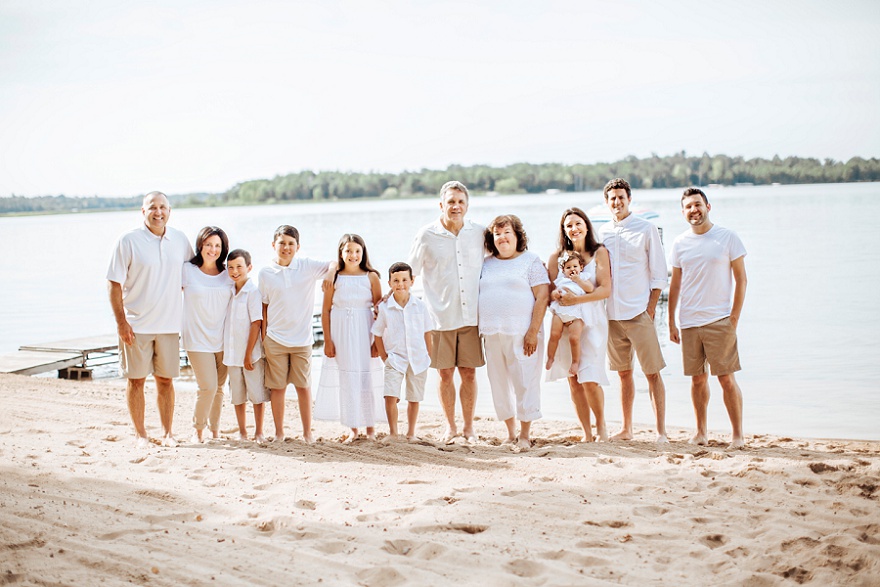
(485, 299)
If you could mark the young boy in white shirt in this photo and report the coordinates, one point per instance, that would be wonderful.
(403, 339)
(242, 344)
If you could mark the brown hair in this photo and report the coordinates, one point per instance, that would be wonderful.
(522, 241)
(567, 256)
(590, 242)
(205, 234)
(688, 192)
(618, 183)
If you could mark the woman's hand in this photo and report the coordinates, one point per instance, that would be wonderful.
(566, 298)
(530, 343)
(329, 348)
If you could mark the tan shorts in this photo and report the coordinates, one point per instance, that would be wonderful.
(248, 385)
(287, 364)
(457, 348)
(636, 333)
(415, 383)
(715, 343)
(158, 354)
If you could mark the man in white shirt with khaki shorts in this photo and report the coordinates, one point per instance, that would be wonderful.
(638, 275)
(448, 254)
(145, 293)
(706, 261)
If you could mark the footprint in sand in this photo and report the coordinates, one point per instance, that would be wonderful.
(524, 568)
(464, 528)
(386, 576)
(713, 541)
(305, 504)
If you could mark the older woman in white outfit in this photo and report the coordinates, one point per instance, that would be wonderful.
(514, 293)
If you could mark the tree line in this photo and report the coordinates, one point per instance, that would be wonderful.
(678, 170)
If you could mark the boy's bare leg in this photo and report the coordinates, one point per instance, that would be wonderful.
(391, 413)
(700, 397)
(240, 412)
(412, 416)
(277, 399)
(575, 329)
(556, 327)
(304, 397)
(259, 410)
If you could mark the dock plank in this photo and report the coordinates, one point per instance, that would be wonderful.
(87, 344)
(35, 362)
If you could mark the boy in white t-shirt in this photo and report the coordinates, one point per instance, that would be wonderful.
(403, 339)
(242, 345)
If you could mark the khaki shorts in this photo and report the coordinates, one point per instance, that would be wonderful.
(636, 333)
(248, 385)
(457, 348)
(715, 343)
(158, 354)
(415, 383)
(287, 364)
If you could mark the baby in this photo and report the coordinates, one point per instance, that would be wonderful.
(571, 264)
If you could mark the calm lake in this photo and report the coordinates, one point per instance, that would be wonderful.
(809, 334)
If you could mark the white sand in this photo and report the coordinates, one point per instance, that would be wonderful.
(80, 505)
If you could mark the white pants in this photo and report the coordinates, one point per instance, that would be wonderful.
(515, 379)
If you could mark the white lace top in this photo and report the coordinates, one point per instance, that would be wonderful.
(506, 298)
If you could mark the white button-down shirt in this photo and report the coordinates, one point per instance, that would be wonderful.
(450, 266)
(638, 265)
(245, 308)
(402, 330)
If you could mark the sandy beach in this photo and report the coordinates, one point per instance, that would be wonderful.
(80, 505)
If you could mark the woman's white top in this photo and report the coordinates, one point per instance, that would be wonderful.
(205, 301)
(506, 298)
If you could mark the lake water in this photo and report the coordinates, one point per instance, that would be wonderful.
(809, 334)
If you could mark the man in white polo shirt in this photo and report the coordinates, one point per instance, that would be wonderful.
(638, 275)
(706, 262)
(144, 282)
(448, 255)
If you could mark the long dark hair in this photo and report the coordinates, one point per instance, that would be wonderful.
(205, 234)
(590, 243)
(365, 259)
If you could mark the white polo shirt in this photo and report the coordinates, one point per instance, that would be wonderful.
(290, 294)
(450, 268)
(403, 333)
(637, 265)
(706, 276)
(205, 303)
(245, 309)
(148, 269)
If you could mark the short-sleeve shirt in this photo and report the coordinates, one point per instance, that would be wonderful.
(245, 309)
(506, 296)
(402, 330)
(205, 301)
(148, 269)
(450, 266)
(638, 265)
(289, 293)
(706, 276)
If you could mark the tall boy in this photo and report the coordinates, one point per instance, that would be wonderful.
(403, 339)
(242, 344)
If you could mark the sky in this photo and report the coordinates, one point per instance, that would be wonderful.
(120, 97)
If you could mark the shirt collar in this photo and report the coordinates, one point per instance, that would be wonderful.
(438, 228)
(623, 222)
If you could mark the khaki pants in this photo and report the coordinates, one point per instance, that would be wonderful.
(210, 375)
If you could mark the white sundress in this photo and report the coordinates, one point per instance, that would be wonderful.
(351, 384)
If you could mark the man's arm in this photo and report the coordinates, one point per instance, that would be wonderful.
(123, 328)
(657, 268)
(738, 266)
(674, 289)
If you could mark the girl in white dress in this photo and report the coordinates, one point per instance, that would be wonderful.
(350, 389)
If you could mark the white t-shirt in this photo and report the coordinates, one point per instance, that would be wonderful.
(706, 277)
(148, 269)
(450, 268)
(403, 333)
(637, 265)
(290, 294)
(205, 302)
(245, 309)
(506, 296)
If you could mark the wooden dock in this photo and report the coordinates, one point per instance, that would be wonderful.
(71, 358)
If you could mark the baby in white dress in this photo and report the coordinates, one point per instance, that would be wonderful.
(571, 263)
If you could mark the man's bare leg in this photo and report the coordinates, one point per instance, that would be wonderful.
(596, 397)
(657, 390)
(468, 395)
(700, 397)
(733, 401)
(134, 395)
(304, 397)
(446, 392)
(165, 401)
(277, 399)
(581, 403)
(627, 397)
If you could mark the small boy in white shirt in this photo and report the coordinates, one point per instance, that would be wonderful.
(402, 332)
(242, 346)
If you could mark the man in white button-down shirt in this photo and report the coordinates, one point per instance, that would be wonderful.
(448, 255)
(638, 275)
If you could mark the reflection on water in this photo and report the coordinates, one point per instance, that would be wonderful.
(808, 338)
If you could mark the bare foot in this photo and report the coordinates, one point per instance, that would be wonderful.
(142, 442)
(350, 438)
(737, 443)
(573, 370)
(587, 438)
(243, 436)
(371, 436)
(602, 432)
(507, 441)
(524, 443)
(169, 442)
(549, 363)
(661, 439)
(622, 435)
(260, 439)
(279, 435)
(308, 438)
(449, 436)
(699, 439)
(469, 435)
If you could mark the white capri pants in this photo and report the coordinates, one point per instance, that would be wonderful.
(515, 379)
